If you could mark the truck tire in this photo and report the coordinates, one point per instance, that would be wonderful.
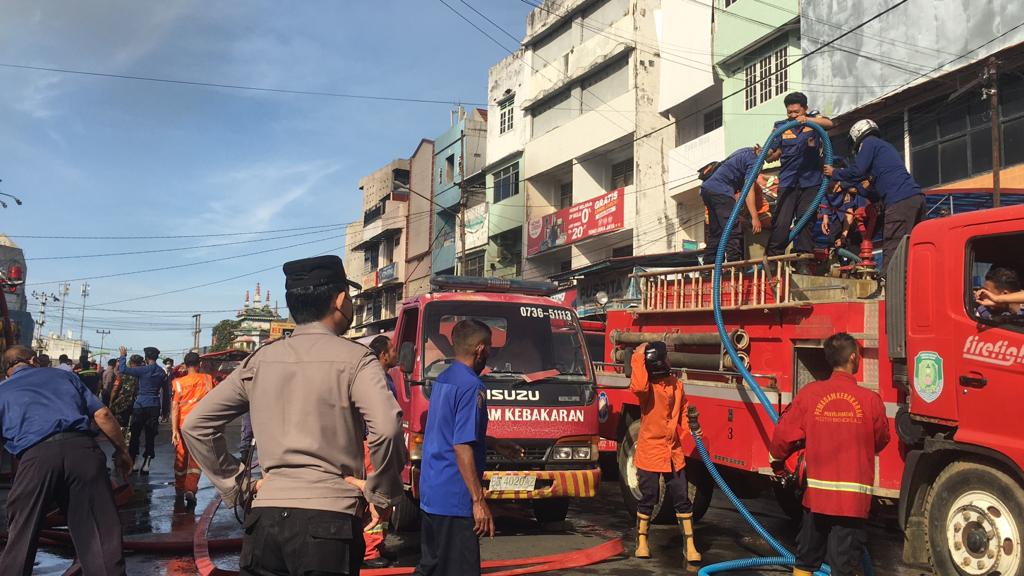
(975, 522)
(700, 485)
(548, 510)
(406, 516)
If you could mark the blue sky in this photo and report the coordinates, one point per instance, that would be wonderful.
(100, 156)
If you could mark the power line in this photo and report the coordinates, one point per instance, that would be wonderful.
(186, 265)
(180, 249)
(233, 86)
(333, 225)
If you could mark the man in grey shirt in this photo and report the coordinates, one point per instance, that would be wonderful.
(308, 396)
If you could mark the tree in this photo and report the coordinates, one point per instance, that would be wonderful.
(223, 334)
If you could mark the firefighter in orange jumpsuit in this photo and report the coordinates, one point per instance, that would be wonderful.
(843, 426)
(659, 450)
(188, 390)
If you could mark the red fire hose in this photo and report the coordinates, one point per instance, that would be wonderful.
(532, 565)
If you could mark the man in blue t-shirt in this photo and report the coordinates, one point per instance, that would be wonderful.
(46, 421)
(719, 195)
(899, 193)
(799, 153)
(152, 402)
(454, 454)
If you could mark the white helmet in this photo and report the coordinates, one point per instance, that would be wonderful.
(861, 129)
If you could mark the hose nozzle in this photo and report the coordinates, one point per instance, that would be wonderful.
(693, 417)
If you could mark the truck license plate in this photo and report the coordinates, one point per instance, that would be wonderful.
(512, 483)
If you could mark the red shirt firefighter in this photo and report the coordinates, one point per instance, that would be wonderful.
(659, 451)
(843, 427)
(188, 390)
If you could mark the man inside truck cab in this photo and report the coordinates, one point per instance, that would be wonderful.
(998, 283)
(841, 426)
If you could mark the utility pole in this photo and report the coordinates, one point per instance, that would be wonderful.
(81, 328)
(463, 201)
(195, 332)
(65, 289)
(103, 336)
(991, 91)
(43, 299)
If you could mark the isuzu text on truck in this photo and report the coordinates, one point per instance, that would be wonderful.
(540, 388)
(951, 379)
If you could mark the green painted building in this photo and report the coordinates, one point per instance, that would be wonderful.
(754, 41)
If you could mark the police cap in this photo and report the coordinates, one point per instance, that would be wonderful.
(316, 271)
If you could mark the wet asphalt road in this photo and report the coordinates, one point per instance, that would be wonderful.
(721, 535)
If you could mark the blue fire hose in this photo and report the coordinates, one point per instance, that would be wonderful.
(785, 557)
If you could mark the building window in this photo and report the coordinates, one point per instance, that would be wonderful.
(449, 169)
(622, 174)
(506, 182)
(601, 88)
(622, 251)
(953, 141)
(564, 195)
(781, 72)
(474, 264)
(510, 249)
(766, 77)
(730, 2)
(565, 265)
(554, 112)
(506, 110)
(601, 16)
(713, 120)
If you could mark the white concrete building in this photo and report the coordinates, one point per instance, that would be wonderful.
(608, 172)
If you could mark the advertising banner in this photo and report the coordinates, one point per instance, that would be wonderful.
(589, 218)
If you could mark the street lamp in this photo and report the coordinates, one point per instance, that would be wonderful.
(16, 199)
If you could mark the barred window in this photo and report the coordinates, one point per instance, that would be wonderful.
(507, 110)
(766, 77)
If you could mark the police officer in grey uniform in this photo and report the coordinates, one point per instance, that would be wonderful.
(308, 396)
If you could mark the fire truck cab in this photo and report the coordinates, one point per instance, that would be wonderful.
(540, 389)
(947, 370)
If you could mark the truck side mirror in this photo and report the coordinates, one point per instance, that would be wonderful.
(406, 357)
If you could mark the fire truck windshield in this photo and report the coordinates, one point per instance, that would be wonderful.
(526, 340)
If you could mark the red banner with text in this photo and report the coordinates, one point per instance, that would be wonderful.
(589, 218)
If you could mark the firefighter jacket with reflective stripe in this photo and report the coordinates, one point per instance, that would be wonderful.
(662, 410)
(843, 427)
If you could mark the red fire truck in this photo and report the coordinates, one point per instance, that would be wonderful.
(947, 371)
(540, 389)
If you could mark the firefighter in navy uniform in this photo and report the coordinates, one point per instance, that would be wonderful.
(659, 450)
(843, 426)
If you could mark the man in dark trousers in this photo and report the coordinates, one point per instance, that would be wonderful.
(843, 426)
(455, 444)
(900, 194)
(310, 396)
(152, 402)
(799, 152)
(46, 418)
(719, 195)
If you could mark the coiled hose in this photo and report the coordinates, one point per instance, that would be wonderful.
(785, 557)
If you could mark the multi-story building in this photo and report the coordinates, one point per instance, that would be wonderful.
(458, 178)
(605, 85)
(420, 220)
(382, 270)
(507, 134)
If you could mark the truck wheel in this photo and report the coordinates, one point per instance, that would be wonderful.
(549, 510)
(700, 485)
(975, 522)
(406, 516)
